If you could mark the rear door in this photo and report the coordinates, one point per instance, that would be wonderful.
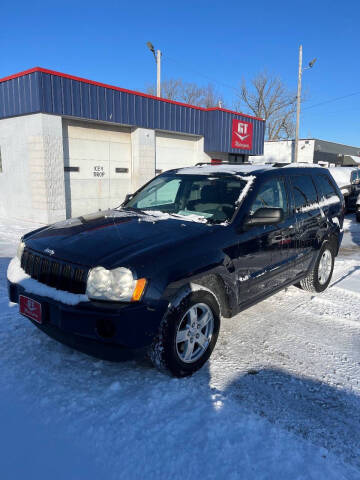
(308, 221)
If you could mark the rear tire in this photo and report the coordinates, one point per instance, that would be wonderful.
(187, 335)
(320, 276)
(358, 216)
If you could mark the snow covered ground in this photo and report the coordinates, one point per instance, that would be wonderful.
(279, 399)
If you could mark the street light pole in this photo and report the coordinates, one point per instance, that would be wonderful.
(158, 73)
(298, 100)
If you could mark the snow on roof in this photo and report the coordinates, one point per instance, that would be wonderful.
(206, 169)
(341, 175)
(355, 158)
(304, 164)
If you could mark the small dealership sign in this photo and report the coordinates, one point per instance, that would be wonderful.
(242, 135)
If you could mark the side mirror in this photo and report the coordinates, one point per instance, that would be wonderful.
(128, 197)
(264, 216)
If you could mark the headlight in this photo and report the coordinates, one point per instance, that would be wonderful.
(118, 284)
(20, 250)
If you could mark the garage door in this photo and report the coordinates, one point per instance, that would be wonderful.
(175, 151)
(97, 161)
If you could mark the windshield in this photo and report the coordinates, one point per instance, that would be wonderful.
(211, 197)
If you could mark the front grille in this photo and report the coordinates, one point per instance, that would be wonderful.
(54, 273)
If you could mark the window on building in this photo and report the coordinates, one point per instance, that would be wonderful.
(237, 158)
(304, 191)
(271, 194)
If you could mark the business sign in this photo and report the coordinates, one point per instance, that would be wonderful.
(242, 135)
(99, 171)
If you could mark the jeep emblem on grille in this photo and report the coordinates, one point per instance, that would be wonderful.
(49, 251)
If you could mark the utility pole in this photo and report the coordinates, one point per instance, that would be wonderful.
(298, 100)
(157, 56)
(158, 73)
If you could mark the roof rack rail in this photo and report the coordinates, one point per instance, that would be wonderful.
(222, 163)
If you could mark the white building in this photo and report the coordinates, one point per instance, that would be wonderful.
(311, 150)
(70, 146)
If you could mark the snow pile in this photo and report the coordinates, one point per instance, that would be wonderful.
(16, 274)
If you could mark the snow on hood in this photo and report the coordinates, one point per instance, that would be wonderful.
(15, 274)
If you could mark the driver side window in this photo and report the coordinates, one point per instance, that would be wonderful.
(271, 194)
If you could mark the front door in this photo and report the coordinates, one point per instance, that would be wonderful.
(263, 254)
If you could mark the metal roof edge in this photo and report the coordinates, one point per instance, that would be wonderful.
(133, 92)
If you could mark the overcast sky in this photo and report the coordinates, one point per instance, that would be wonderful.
(221, 41)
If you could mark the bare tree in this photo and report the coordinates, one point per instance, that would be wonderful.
(211, 97)
(176, 89)
(268, 98)
(170, 89)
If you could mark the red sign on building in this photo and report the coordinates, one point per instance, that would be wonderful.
(242, 135)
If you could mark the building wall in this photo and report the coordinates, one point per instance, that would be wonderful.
(174, 151)
(283, 152)
(32, 181)
(56, 168)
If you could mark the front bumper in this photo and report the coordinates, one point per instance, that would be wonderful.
(132, 325)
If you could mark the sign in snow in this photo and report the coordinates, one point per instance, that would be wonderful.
(242, 135)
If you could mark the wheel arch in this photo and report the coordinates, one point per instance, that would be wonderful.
(213, 284)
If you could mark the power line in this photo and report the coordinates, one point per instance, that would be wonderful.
(331, 100)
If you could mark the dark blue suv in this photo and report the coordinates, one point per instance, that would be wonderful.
(192, 245)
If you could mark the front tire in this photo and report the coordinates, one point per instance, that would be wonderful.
(358, 216)
(320, 276)
(187, 335)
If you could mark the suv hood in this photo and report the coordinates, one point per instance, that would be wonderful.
(110, 238)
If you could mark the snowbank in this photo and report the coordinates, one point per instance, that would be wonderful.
(16, 274)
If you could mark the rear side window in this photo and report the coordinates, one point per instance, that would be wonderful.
(304, 191)
(327, 189)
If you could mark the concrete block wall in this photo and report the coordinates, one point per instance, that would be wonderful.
(31, 183)
(143, 148)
